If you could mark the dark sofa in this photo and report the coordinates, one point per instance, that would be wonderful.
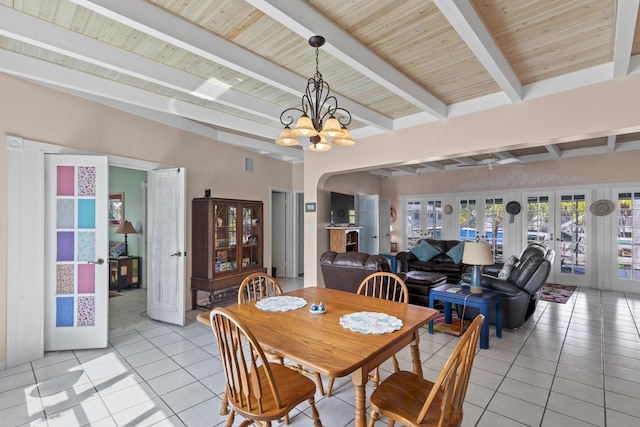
(345, 271)
(440, 263)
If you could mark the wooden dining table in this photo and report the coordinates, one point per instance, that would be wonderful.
(320, 343)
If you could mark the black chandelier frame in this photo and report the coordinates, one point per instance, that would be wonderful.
(317, 103)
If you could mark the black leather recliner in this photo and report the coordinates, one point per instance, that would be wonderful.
(521, 290)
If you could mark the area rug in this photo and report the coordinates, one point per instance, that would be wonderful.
(556, 293)
(114, 294)
(452, 328)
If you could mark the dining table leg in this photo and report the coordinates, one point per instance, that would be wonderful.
(415, 354)
(359, 379)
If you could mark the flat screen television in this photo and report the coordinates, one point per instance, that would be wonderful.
(343, 211)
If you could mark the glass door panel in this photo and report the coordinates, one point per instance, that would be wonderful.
(571, 240)
(573, 234)
(424, 220)
(627, 241)
(493, 218)
(225, 231)
(413, 223)
(468, 219)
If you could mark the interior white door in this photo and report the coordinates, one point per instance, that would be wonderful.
(368, 220)
(76, 249)
(279, 232)
(384, 207)
(166, 253)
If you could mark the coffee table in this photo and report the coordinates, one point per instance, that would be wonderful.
(483, 301)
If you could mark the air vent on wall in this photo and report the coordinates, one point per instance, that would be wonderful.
(248, 164)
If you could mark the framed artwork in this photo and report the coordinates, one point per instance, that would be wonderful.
(309, 207)
(116, 209)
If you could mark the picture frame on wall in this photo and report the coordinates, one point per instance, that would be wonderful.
(115, 208)
(309, 207)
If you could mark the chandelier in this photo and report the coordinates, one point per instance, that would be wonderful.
(321, 117)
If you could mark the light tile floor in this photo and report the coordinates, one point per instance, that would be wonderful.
(576, 364)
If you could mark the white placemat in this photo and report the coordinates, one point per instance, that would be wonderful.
(281, 303)
(368, 322)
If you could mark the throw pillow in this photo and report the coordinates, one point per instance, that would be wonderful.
(456, 252)
(424, 251)
(507, 267)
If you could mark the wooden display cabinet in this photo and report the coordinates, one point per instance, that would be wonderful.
(344, 239)
(124, 272)
(227, 244)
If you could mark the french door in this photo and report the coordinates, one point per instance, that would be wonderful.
(76, 289)
(560, 221)
(625, 239)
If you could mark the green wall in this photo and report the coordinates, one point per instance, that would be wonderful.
(129, 182)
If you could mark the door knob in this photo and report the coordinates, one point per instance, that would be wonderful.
(100, 261)
(177, 254)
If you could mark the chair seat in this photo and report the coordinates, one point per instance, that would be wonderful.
(403, 394)
(292, 387)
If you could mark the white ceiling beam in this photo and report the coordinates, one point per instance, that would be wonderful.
(626, 15)
(553, 150)
(468, 161)
(464, 19)
(307, 21)
(152, 20)
(37, 32)
(434, 165)
(56, 75)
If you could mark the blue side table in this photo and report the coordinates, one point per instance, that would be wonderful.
(393, 262)
(482, 301)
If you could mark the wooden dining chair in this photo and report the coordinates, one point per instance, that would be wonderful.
(384, 285)
(416, 402)
(257, 389)
(257, 286)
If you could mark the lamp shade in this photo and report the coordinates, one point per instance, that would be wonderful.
(304, 127)
(126, 228)
(477, 253)
(287, 138)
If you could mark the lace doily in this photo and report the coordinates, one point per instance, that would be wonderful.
(281, 303)
(367, 322)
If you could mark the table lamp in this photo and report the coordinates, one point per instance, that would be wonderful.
(126, 228)
(477, 254)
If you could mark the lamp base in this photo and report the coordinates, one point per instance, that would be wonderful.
(476, 280)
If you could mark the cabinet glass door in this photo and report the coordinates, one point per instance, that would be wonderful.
(226, 229)
(251, 236)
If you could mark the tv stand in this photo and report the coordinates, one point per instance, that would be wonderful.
(344, 239)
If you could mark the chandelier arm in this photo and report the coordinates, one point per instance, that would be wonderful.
(287, 119)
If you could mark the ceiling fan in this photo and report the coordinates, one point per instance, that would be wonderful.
(491, 161)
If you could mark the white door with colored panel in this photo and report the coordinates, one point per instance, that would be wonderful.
(76, 248)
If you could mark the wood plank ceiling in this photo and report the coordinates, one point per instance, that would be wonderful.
(228, 68)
